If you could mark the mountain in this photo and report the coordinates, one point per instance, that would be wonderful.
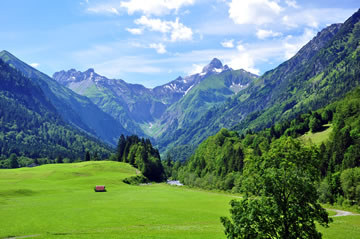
(74, 108)
(31, 126)
(324, 70)
(213, 90)
(139, 108)
(127, 103)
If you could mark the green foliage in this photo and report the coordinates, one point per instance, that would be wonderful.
(350, 183)
(141, 154)
(214, 161)
(180, 153)
(280, 196)
(136, 180)
(315, 123)
(338, 149)
(13, 162)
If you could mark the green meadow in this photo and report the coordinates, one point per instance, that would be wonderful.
(58, 201)
(318, 137)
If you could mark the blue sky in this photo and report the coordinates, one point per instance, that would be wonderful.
(151, 42)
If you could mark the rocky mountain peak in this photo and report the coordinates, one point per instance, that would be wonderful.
(90, 70)
(318, 42)
(213, 65)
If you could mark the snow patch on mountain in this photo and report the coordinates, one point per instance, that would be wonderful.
(187, 91)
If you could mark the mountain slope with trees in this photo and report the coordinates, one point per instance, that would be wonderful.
(337, 158)
(75, 109)
(30, 125)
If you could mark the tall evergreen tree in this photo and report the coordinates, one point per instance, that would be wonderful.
(120, 148)
(87, 156)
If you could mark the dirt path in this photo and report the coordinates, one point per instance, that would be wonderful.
(341, 213)
(18, 237)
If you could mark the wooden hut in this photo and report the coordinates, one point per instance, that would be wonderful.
(100, 188)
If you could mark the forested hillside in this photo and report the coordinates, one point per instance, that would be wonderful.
(223, 161)
(323, 71)
(73, 108)
(30, 125)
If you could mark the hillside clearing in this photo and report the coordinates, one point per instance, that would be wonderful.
(318, 137)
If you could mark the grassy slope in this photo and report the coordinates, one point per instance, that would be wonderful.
(318, 137)
(347, 227)
(58, 200)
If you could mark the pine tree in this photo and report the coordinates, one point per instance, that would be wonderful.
(87, 156)
(120, 148)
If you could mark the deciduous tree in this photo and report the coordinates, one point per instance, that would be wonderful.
(280, 199)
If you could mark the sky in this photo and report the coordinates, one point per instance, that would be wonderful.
(152, 42)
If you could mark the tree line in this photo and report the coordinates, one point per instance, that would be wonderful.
(220, 161)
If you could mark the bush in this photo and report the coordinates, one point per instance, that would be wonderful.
(136, 180)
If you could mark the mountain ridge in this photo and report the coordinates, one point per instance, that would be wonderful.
(31, 126)
(74, 108)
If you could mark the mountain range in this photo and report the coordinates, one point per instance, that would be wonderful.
(187, 110)
(324, 70)
(150, 112)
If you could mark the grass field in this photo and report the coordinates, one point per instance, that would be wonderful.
(58, 201)
(319, 137)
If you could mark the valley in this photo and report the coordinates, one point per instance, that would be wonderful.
(270, 155)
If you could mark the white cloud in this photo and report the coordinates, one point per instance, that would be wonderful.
(135, 31)
(295, 20)
(292, 3)
(180, 32)
(35, 65)
(177, 31)
(263, 34)
(228, 44)
(253, 11)
(196, 68)
(106, 9)
(160, 48)
(240, 47)
(154, 24)
(316, 17)
(116, 67)
(154, 7)
(244, 61)
(293, 44)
